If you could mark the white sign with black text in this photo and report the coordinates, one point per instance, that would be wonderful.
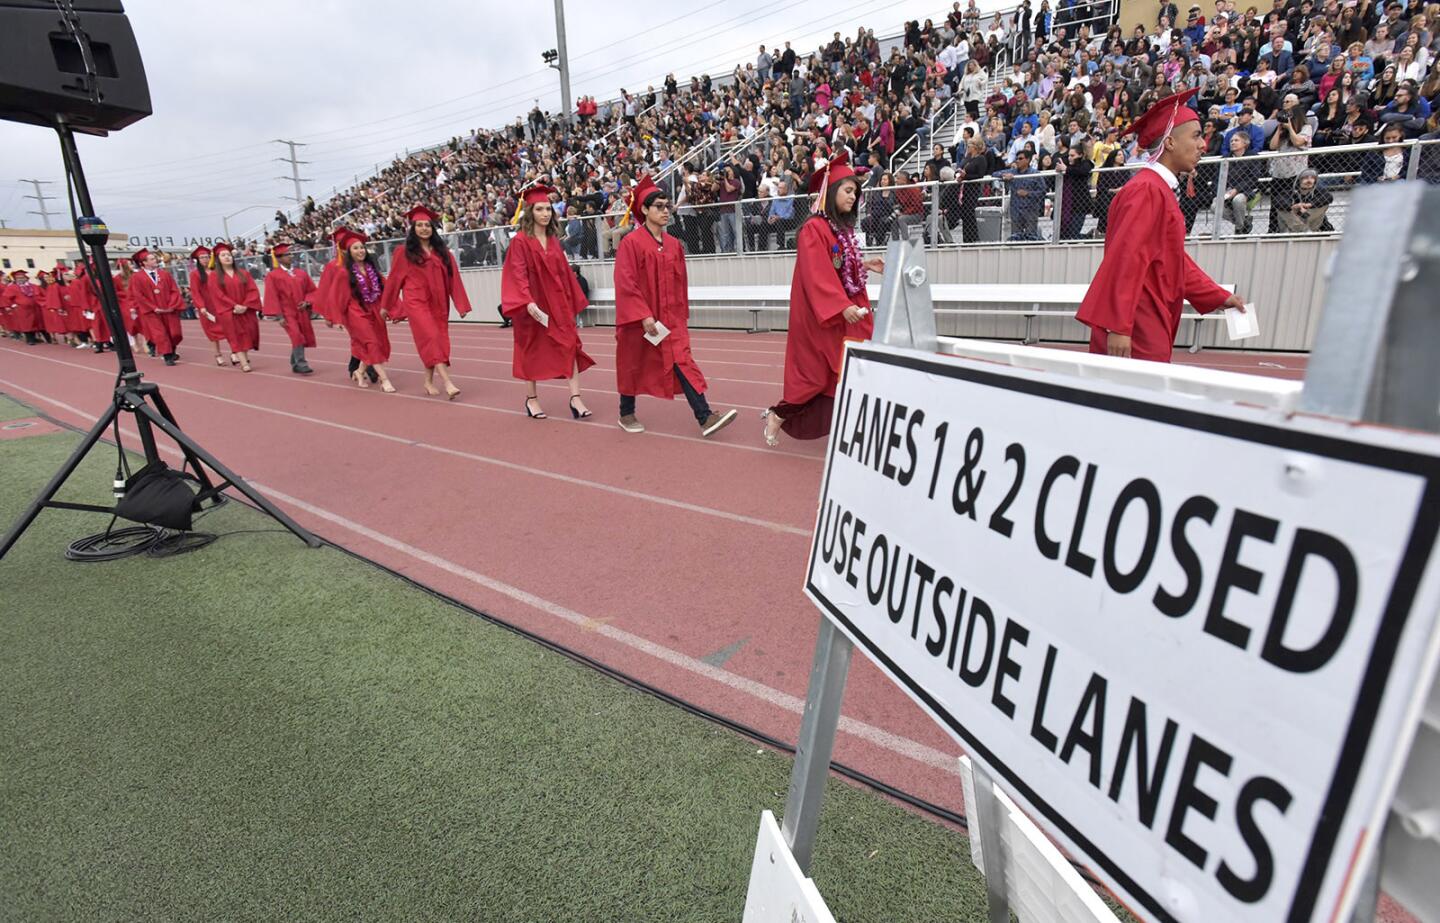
(1190, 639)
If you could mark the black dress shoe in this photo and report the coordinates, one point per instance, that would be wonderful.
(171, 359)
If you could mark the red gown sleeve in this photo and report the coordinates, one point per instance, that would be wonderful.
(198, 293)
(684, 293)
(170, 291)
(815, 269)
(390, 301)
(140, 294)
(330, 298)
(515, 293)
(632, 301)
(1200, 290)
(1114, 294)
(307, 287)
(250, 298)
(215, 295)
(457, 289)
(271, 299)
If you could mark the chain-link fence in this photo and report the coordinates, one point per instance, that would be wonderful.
(1275, 193)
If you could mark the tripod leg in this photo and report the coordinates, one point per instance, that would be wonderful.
(200, 474)
(189, 446)
(58, 480)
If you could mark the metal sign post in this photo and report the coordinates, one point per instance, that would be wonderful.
(1374, 361)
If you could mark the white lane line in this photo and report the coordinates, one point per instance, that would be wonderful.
(393, 370)
(596, 368)
(782, 528)
(894, 743)
(593, 426)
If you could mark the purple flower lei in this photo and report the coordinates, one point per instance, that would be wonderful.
(852, 267)
(369, 281)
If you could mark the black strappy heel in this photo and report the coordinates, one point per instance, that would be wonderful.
(534, 416)
(576, 413)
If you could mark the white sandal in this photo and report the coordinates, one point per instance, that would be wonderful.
(771, 440)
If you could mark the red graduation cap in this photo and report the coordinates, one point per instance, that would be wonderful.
(220, 245)
(344, 237)
(280, 249)
(638, 194)
(200, 253)
(421, 213)
(140, 256)
(537, 194)
(19, 274)
(833, 172)
(1163, 117)
(59, 269)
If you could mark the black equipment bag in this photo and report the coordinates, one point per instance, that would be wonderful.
(157, 495)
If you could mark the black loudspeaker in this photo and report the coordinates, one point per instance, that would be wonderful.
(73, 58)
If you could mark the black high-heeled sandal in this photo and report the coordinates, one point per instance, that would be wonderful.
(579, 415)
(534, 416)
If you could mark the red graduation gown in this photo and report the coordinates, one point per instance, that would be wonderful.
(26, 310)
(215, 330)
(75, 319)
(285, 291)
(158, 305)
(85, 298)
(1145, 275)
(541, 274)
(223, 294)
(428, 290)
(651, 281)
(336, 302)
(127, 305)
(815, 344)
(52, 310)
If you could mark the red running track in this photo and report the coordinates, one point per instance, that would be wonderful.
(676, 559)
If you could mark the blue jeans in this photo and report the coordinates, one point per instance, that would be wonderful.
(698, 405)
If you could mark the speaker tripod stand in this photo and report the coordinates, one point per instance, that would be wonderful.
(139, 399)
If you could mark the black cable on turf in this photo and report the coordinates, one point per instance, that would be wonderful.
(112, 544)
(172, 544)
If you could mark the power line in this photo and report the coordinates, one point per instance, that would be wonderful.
(40, 198)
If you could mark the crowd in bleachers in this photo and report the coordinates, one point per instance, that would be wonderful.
(1033, 90)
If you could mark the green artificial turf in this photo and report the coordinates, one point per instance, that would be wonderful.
(258, 731)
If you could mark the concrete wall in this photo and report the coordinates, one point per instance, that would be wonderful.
(1285, 278)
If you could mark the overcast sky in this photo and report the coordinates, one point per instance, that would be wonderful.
(361, 81)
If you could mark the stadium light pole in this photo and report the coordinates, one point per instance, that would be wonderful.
(225, 220)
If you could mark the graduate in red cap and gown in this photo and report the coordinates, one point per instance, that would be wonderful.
(424, 279)
(158, 303)
(211, 324)
(52, 307)
(828, 305)
(289, 293)
(351, 295)
(7, 308)
(652, 291)
(539, 293)
(125, 270)
(234, 298)
(77, 325)
(85, 293)
(26, 311)
(1133, 304)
